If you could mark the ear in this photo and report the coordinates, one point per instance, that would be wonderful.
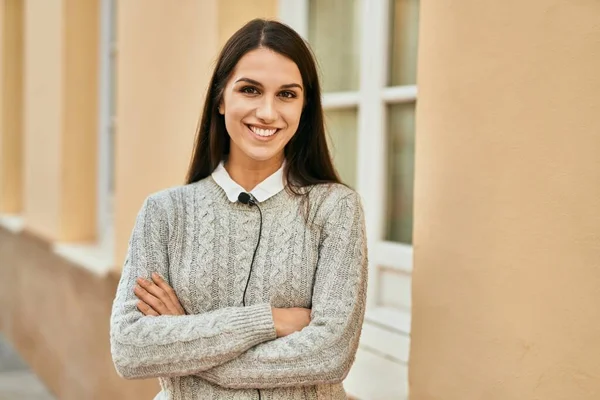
(221, 109)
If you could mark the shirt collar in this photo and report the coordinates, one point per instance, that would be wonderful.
(263, 191)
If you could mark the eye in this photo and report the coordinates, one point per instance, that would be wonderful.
(249, 90)
(288, 94)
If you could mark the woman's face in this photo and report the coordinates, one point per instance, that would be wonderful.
(262, 104)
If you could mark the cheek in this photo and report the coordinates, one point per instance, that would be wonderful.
(235, 111)
(292, 116)
(236, 108)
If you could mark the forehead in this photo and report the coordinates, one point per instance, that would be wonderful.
(267, 67)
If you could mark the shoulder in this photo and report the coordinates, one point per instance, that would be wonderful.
(332, 193)
(175, 197)
(167, 198)
(328, 198)
(175, 200)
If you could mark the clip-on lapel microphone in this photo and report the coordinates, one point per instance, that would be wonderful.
(248, 199)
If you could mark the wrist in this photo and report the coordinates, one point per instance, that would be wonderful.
(275, 313)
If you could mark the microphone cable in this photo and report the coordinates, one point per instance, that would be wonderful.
(247, 198)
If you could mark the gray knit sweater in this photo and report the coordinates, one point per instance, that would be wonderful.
(202, 244)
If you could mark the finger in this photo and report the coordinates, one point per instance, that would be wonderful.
(159, 293)
(161, 283)
(146, 309)
(151, 300)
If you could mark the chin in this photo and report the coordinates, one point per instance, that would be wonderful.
(260, 157)
(261, 154)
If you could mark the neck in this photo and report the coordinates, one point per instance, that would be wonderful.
(249, 173)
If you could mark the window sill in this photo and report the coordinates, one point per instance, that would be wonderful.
(374, 377)
(13, 223)
(94, 257)
(380, 370)
(97, 258)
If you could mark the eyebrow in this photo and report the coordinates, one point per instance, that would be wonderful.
(253, 82)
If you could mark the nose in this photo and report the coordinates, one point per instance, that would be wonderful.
(266, 111)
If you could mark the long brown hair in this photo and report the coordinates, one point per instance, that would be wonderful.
(308, 160)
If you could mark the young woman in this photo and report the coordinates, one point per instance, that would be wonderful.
(248, 282)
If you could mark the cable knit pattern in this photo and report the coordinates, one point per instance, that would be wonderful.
(280, 255)
(203, 244)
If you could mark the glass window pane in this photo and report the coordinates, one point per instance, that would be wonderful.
(341, 127)
(403, 44)
(333, 32)
(401, 167)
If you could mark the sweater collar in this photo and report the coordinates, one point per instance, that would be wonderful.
(263, 191)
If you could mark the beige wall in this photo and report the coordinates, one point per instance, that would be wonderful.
(11, 110)
(164, 64)
(60, 118)
(79, 151)
(233, 14)
(507, 222)
(2, 89)
(43, 110)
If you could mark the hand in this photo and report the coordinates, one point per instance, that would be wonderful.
(157, 297)
(290, 320)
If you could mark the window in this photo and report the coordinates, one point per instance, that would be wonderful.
(404, 16)
(400, 166)
(367, 52)
(341, 124)
(334, 35)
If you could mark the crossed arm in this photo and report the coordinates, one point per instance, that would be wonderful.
(272, 347)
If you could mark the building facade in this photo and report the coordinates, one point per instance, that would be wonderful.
(101, 101)
(496, 204)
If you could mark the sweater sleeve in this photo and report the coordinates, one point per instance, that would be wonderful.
(324, 351)
(148, 346)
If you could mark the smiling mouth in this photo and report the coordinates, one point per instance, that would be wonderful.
(263, 132)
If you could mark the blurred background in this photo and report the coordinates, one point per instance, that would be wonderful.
(496, 206)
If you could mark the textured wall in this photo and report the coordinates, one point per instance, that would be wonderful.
(57, 317)
(43, 115)
(11, 107)
(507, 222)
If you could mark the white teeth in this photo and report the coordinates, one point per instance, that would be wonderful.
(263, 132)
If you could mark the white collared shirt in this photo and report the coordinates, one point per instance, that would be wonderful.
(263, 191)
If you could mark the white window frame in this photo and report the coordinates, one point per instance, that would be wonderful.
(106, 121)
(387, 330)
